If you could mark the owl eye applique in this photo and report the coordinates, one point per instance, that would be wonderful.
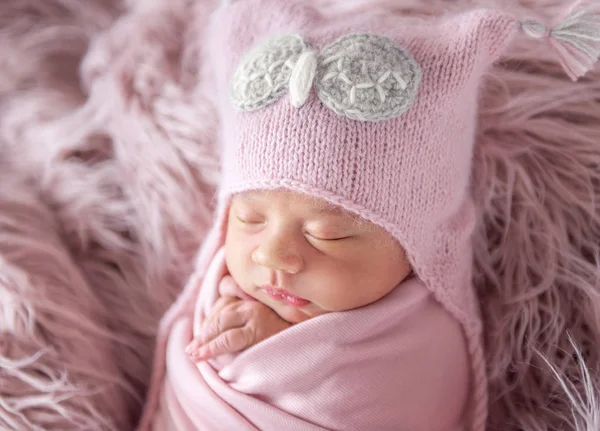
(360, 76)
(367, 78)
(264, 73)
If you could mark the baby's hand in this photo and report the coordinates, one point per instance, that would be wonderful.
(228, 287)
(234, 325)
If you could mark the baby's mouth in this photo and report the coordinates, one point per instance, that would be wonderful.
(285, 296)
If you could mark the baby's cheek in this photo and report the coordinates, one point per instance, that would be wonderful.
(352, 286)
(332, 288)
(239, 263)
(232, 260)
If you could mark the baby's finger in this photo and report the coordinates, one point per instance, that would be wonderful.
(228, 287)
(219, 305)
(231, 341)
(221, 322)
(193, 346)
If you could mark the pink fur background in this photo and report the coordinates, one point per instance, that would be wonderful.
(107, 169)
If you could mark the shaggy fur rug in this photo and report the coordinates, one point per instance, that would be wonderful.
(107, 171)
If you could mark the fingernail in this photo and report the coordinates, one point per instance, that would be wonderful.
(197, 358)
(199, 355)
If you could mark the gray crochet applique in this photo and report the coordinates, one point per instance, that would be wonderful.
(360, 76)
(367, 77)
(264, 73)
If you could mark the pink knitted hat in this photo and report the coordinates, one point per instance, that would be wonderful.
(376, 115)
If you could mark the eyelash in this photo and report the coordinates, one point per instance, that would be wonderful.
(247, 221)
(329, 239)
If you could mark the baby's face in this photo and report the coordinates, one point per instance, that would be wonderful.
(303, 257)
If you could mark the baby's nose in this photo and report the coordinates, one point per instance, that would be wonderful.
(279, 253)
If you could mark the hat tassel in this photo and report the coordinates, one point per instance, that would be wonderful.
(576, 40)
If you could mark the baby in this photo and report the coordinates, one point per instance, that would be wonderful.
(334, 290)
(293, 257)
(304, 284)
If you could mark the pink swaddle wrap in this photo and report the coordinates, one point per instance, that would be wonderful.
(398, 364)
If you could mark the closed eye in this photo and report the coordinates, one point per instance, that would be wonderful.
(329, 238)
(248, 220)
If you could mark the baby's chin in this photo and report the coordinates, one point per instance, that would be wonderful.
(292, 314)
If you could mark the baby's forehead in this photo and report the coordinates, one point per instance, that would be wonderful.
(291, 200)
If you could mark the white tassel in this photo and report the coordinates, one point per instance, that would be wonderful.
(576, 40)
(302, 78)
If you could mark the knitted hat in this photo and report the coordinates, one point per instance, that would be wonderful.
(375, 115)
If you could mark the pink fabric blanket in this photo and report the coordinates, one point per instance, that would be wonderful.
(398, 364)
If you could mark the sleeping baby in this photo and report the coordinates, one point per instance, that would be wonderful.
(334, 290)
